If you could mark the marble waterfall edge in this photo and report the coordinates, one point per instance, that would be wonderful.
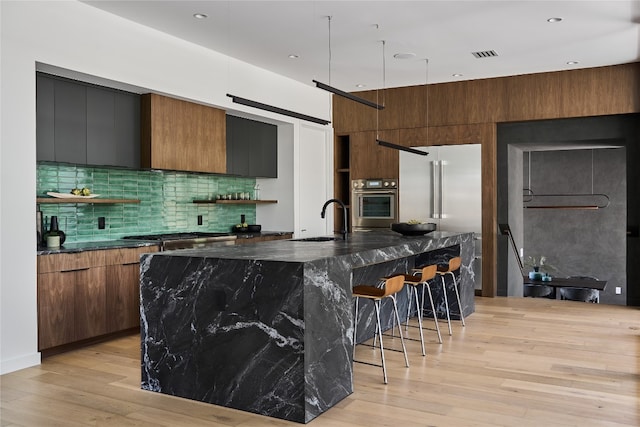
(266, 328)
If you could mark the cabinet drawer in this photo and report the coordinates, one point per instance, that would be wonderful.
(70, 262)
(127, 255)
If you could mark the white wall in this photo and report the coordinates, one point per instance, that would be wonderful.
(313, 158)
(75, 36)
(280, 216)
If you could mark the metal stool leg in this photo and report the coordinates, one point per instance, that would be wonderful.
(404, 349)
(355, 329)
(446, 302)
(409, 298)
(455, 288)
(415, 293)
(376, 304)
(433, 309)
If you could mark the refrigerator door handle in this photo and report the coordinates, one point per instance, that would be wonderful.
(441, 192)
(434, 189)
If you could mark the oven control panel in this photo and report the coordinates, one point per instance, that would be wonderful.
(374, 184)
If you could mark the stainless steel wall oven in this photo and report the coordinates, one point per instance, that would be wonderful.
(374, 203)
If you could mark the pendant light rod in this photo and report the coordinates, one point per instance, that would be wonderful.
(278, 110)
(378, 140)
(337, 91)
(347, 95)
(401, 147)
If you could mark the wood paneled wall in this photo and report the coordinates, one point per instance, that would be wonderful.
(467, 112)
(578, 93)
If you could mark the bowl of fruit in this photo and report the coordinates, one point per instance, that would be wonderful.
(413, 227)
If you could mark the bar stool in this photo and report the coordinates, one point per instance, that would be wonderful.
(421, 276)
(451, 268)
(392, 286)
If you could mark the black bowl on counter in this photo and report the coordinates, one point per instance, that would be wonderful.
(407, 229)
(251, 228)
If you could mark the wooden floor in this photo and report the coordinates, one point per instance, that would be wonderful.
(518, 362)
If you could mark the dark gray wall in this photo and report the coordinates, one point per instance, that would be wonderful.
(622, 130)
(581, 242)
(516, 219)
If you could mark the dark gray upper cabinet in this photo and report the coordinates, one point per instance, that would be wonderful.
(45, 119)
(70, 127)
(100, 126)
(86, 124)
(127, 129)
(113, 128)
(252, 148)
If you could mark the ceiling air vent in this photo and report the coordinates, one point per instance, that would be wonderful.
(484, 54)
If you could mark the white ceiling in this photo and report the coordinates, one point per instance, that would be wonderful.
(264, 33)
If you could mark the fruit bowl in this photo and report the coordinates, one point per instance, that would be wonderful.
(407, 229)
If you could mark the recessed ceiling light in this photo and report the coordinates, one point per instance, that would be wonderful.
(361, 85)
(457, 75)
(552, 20)
(293, 56)
(404, 55)
(572, 62)
(200, 16)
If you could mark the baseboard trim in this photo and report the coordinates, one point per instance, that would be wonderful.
(18, 363)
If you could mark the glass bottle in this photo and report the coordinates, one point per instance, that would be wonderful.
(256, 192)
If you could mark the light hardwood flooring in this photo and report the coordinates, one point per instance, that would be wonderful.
(518, 362)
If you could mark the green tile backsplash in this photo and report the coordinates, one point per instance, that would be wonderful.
(166, 201)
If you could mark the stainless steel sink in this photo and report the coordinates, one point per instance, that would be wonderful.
(317, 239)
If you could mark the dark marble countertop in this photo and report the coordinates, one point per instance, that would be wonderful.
(295, 250)
(128, 243)
(94, 246)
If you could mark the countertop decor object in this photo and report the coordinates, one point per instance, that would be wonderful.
(407, 229)
(54, 237)
(254, 228)
(70, 196)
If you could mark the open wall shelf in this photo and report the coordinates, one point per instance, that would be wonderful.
(236, 202)
(54, 200)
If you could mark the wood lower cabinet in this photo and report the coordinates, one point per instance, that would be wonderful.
(122, 290)
(56, 309)
(88, 294)
(89, 303)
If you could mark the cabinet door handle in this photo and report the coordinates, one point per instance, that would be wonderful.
(132, 263)
(74, 269)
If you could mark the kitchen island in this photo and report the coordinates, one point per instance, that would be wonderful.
(268, 328)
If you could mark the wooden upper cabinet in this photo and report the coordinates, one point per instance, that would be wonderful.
(369, 160)
(181, 135)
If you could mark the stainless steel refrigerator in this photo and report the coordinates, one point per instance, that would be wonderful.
(444, 188)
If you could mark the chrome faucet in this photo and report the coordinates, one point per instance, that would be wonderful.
(344, 211)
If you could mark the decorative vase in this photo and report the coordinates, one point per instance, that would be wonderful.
(54, 237)
(535, 274)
